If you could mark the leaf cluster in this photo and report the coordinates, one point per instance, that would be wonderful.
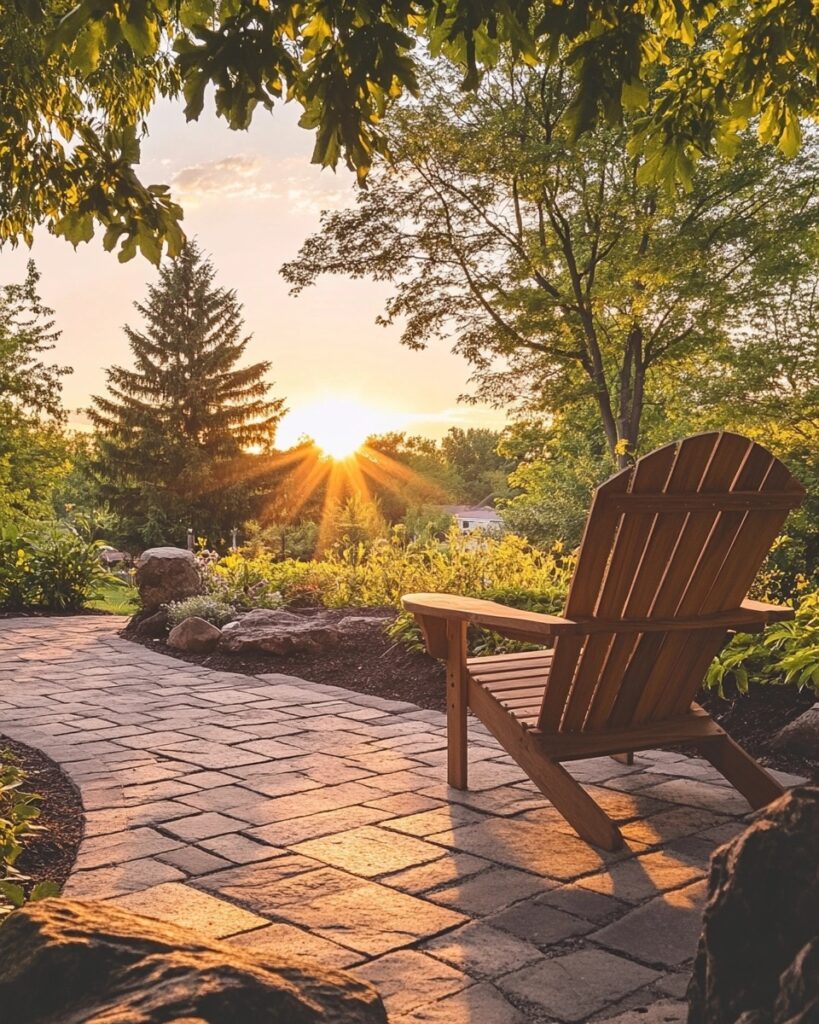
(561, 277)
(78, 82)
(19, 811)
(72, 117)
(785, 654)
(48, 566)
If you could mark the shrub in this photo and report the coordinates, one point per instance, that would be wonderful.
(48, 566)
(241, 582)
(786, 653)
(477, 565)
(204, 606)
(19, 811)
(66, 569)
(15, 578)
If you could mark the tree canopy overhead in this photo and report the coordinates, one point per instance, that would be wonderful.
(77, 82)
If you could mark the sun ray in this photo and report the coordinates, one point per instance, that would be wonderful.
(306, 480)
(384, 470)
(241, 470)
(335, 486)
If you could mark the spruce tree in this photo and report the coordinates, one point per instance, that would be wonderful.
(180, 433)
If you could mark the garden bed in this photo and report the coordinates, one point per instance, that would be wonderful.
(48, 856)
(368, 664)
(377, 665)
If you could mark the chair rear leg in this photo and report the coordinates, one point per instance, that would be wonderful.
(456, 704)
(585, 816)
(744, 773)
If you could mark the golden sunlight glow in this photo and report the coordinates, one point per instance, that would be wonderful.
(339, 426)
(335, 463)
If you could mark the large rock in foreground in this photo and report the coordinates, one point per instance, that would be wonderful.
(164, 575)
(758, 961)
(67, 962)
(279, 632)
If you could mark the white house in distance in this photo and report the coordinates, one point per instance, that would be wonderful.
(473, 517)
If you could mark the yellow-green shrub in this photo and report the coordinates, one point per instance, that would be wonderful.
(505, 568)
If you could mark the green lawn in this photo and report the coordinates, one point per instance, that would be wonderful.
(116, 598)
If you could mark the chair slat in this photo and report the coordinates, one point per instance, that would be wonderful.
(622, 669)
(513, 687)
(510, 671)
(651, 475)
(680, 653)
(723, 469)
(529, 698)
(584, 591)
(751, 543)
(680, 656)
(737, 501)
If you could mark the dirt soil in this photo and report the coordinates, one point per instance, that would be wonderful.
(373, 664)
(49, 855)
(378, 665)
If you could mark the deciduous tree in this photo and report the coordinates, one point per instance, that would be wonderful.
(34, 452)
(561, 276)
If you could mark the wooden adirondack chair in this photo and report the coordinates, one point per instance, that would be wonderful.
(670, 548)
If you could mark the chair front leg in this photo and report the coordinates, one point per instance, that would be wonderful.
(456, 703)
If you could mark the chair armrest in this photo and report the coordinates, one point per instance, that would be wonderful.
(488, 613)
(434, 610)
(765, 614)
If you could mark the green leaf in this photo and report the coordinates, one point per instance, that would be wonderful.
(634, 95)
(790, 140)
(44, 890)
(76, 227)
(140, 32)
(86, 51)
(13, 893)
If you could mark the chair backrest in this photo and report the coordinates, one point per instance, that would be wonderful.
(680, 534)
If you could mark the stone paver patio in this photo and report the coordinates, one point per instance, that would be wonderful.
(299, 818)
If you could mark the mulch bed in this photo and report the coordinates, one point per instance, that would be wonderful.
(49, 855)
(754, 719)
(373, 664)
(379, 666)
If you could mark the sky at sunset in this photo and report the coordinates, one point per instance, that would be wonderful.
(250, 199)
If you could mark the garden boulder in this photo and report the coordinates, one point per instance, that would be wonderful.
(194, 634)
(153, 625)
(66, 962)
(801, 736)
(362, 625)
(164, 575)
(757, 959)
(276, 631)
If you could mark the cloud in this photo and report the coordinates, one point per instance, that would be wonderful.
(291, 181)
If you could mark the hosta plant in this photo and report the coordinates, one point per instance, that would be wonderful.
(786, 653)
(19, 811)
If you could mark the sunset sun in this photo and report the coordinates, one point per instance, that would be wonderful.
(338, 425)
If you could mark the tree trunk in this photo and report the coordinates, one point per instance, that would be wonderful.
(632, 379)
